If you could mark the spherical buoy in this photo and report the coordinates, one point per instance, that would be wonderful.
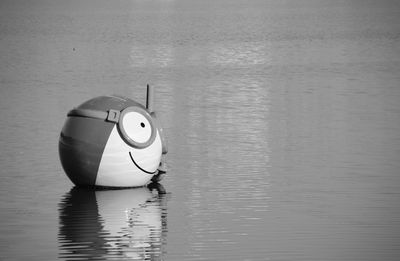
(112, 141)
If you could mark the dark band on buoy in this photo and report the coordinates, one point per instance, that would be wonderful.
(81, 146)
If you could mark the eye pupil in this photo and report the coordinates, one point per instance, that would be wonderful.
(142, 124)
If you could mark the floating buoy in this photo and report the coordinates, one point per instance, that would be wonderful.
(112, 141)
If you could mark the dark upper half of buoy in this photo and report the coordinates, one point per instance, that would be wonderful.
(105, 103)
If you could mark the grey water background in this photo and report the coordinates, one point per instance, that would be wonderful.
(282, 119)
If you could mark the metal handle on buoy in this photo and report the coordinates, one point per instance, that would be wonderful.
(150, 98)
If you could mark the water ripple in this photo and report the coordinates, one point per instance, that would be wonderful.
(128, 224)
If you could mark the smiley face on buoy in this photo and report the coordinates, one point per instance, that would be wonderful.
(111, 141)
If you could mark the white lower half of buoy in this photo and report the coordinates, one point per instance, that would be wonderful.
(124, 166)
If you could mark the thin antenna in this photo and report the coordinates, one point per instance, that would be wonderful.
(150, 98)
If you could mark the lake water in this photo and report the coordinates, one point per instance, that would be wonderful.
(282, 119)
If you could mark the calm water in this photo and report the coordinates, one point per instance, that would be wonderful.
(283, 122)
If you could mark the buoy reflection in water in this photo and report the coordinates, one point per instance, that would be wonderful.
(127, 224)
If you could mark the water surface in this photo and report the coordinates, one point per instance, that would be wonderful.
(282, 118)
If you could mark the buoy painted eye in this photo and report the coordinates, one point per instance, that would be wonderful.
(136, 127)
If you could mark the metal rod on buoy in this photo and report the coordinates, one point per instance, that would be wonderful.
(150, 98)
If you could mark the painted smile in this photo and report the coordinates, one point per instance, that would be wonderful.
(137, 165)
